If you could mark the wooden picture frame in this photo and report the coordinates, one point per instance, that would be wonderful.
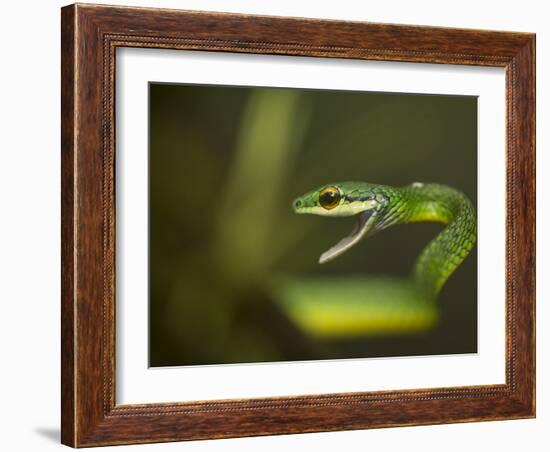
(90, 36)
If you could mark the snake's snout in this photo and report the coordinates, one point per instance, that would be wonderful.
(297, 204)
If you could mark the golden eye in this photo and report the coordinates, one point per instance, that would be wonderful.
(329, 197)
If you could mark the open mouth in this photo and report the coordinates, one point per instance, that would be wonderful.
(362, 227)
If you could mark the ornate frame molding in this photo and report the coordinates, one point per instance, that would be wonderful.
(90, 36)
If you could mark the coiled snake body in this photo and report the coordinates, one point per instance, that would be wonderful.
(377, 305)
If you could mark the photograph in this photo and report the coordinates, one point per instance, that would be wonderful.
(282, 224)
(253, 192)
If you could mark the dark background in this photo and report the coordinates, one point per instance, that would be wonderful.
(225, 165)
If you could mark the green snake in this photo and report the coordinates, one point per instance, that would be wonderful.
(381, 305)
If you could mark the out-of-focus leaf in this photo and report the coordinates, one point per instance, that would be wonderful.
(271, 134)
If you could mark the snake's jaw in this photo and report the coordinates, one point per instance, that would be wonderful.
(365, 224)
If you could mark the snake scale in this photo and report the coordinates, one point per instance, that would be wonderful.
(380, 305)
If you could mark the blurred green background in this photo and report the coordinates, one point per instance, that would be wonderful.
(225, 166)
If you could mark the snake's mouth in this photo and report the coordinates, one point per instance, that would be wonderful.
(364, 224)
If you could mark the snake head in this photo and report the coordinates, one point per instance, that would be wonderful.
(359, 199)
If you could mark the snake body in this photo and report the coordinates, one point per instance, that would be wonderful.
(378, 305)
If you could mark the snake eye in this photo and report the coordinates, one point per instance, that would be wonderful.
(329, 197)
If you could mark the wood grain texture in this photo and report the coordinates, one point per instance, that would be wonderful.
(67, 224)
(90, 36)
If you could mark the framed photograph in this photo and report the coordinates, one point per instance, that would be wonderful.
(213, 166)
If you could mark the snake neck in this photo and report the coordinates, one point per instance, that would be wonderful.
(434, 203)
